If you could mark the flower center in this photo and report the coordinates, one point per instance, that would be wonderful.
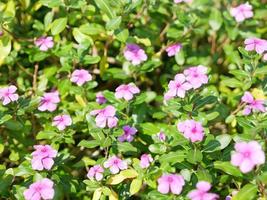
(246, 154)
(170, 179)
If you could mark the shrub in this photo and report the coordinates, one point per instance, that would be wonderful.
(133, 99)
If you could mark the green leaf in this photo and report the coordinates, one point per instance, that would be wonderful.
(52, 3)
(89, 144)
(58, 25)
(91, 59)
(157, 148)
(248, 192)
(104, 6)
(227, 168)
(173, 157)
(261, 70)
(126, 147)
(215, 20)
(135, 186)
(122, 35)
(194, 156)
(113, 23)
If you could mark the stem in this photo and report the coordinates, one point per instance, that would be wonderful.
(34, 83)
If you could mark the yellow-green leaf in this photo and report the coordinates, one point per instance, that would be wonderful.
(58, 25)
(97, 194)
(129, 173)
(115, 179)
(135, 186)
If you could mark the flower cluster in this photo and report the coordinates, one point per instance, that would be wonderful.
(193, 77)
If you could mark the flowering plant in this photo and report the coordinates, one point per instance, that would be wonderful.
(133, 99)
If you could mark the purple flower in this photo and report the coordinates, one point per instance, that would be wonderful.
(100, 99)
(42, 189)
(161, 136)
(247, 155)
(173, 49)
(95, 172)
(128, 133)
(178, 87)
(201, 192)
(191, 130)
(80, 76)
(259, 45)
(170, 183)
(252, 104)
(196, 76)
(62, 121)
(134, 54)
(42, 157)
(115, 164)
(8, 94)
(44, 43)
(126, 91)
(146, 159)
(242, 12)
(49, 101)
(105, 117)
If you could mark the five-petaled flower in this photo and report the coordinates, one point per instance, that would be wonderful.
(105, 117)
(126, 91)
(252, 104)
(134, 54)
(202, 192)
(42, 189)
(95, 172)
(80, 76)
(8, 94)
(170, 183)
(43, 157)
(196, 76)
(242, 12)
(62, 121)
(247, 155)
(177, 87)
(128, 134)
(49, 101)
(256, 44)
(145, 160)
(173, 49)
(191, 130)
(44, 43)
(115, 164)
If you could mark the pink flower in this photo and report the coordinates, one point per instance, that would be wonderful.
(115, 164)
(134, 54)
(180, 1)
(96, 172)
(105, 116)
(196, 76)
(146, 159)
(247, 155)
(100, 99)
(242, 12)
(126, 91)
(173, 49)
(44, 43)
(61, 121)
(259, 45)
(201, 192)
(42, 157)
(170, 183)
(128, 133)
(42, 189)
(161, 136)
(191, 130)
(178, 87)
(80, 76)
(252, 104)
(49, 101)
(7, 94)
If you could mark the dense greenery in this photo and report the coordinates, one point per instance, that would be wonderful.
(93, 35)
